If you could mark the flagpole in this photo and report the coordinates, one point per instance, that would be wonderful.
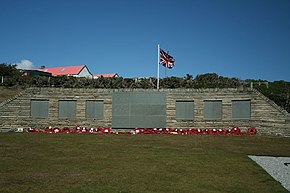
(158, 66)
(165, 73)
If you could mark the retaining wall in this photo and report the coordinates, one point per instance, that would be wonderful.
(266, 116)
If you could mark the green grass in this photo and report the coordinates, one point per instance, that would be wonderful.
(31, 162)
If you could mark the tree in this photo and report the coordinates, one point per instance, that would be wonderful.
(11, 74)
(9, 70)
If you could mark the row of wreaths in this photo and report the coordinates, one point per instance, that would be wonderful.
(183, 131)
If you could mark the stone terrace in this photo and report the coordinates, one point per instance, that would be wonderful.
(266, 116)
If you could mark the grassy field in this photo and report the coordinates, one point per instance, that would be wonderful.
(32, 162)
(6, 93)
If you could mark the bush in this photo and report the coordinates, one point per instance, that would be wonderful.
(277, 91)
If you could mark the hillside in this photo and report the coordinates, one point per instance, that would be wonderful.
(7, 93)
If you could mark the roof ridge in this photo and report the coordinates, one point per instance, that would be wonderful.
(66, 66)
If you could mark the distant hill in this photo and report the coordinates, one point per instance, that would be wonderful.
(278, 91)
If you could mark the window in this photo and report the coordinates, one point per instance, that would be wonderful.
(39, 108)
(184, 110)
(241, 109)
(212, 110)
(95, 109)
(67, 109)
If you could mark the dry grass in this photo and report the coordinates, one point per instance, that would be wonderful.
(32, 162)
(6, 93)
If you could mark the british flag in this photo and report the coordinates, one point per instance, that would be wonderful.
(166, 60)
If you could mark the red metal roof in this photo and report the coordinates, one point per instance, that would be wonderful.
(106, 75)
(65, 70)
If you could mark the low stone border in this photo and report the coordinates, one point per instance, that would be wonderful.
(277, 167)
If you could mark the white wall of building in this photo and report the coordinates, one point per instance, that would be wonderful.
(85, 73)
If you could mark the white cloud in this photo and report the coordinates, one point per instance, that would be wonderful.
(25, 65)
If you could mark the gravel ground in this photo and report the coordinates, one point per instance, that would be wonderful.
(277, 167)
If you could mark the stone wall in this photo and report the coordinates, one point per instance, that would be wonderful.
(16, 113)
(266, 116)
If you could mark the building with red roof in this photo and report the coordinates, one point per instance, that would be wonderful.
(106, 75)
(76, 71)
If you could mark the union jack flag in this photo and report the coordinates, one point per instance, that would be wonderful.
(166, 60)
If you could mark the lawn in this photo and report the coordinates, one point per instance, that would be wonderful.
(32, 162)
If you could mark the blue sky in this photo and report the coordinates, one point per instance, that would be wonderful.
(247, 39)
